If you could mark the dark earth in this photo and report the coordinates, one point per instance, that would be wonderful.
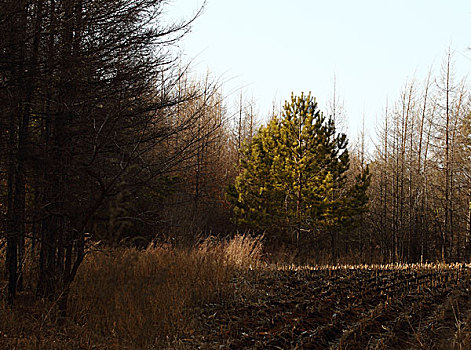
(346, 308)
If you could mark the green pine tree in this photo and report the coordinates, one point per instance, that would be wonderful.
(293, 174)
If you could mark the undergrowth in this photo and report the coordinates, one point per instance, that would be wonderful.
(129, 298)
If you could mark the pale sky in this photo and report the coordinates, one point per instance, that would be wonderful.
(269, 48)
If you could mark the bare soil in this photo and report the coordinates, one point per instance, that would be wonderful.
(344, 308)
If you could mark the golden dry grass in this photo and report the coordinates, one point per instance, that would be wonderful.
(128, 298)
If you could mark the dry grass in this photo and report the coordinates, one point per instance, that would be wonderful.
(128, 298)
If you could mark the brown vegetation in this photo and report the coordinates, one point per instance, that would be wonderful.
(129, 298)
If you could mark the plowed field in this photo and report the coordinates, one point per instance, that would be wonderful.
(350, 307)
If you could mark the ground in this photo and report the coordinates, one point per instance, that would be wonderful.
(393, 307)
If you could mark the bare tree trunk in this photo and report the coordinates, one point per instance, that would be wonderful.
(446, 231)
(421, 185)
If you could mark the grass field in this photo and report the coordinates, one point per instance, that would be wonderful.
(129, 299)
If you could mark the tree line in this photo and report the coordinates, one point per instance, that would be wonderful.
(98, 126)
(420, 195)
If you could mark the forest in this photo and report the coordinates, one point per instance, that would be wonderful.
(138, 205)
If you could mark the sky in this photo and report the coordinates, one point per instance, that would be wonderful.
(371, 48)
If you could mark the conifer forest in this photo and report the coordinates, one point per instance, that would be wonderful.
(142, 208)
